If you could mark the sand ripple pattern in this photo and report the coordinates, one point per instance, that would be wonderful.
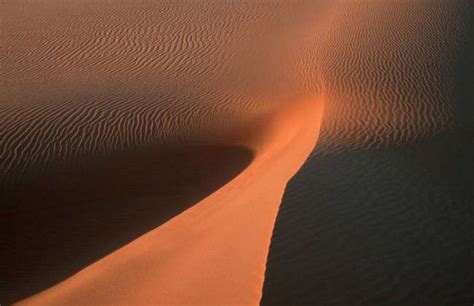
(389, 70)
(82, 81)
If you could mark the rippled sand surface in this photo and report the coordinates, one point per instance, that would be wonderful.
(147, 150)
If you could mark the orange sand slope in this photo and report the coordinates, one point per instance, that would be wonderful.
(145, 146)
(213, 253)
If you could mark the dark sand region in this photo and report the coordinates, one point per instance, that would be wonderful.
(380, 223)
(378, 226)
(60, 223)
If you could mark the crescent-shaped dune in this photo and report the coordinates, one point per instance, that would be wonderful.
(146, 146)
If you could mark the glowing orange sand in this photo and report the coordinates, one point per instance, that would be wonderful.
(215, 252)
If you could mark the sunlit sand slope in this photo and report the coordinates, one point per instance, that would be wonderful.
(145, 146)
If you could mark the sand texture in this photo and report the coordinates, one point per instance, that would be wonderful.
(382, 211)
(200, 152)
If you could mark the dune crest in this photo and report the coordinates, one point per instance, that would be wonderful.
(215, 252)
(111, 114)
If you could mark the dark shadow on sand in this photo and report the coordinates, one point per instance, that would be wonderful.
(388, 226)
(59, 224)
(378, 227)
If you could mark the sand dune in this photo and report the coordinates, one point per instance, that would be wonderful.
(213, 253)
(145, 147)
(156, 134)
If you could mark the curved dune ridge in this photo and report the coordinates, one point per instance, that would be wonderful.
(146, 146)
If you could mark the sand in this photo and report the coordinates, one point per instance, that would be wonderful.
(381, 212)
(146, 147)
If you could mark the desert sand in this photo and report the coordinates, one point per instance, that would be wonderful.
(381, 213)
(146, 148)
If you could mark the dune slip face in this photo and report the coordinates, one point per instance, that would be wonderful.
(145, 146)
(382, 211)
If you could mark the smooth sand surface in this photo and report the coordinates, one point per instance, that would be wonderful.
(146, 146)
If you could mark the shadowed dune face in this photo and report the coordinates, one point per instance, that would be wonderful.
(382, 211)
(61, 223)
(390, 226)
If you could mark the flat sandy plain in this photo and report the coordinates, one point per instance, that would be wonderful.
(237, 152)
